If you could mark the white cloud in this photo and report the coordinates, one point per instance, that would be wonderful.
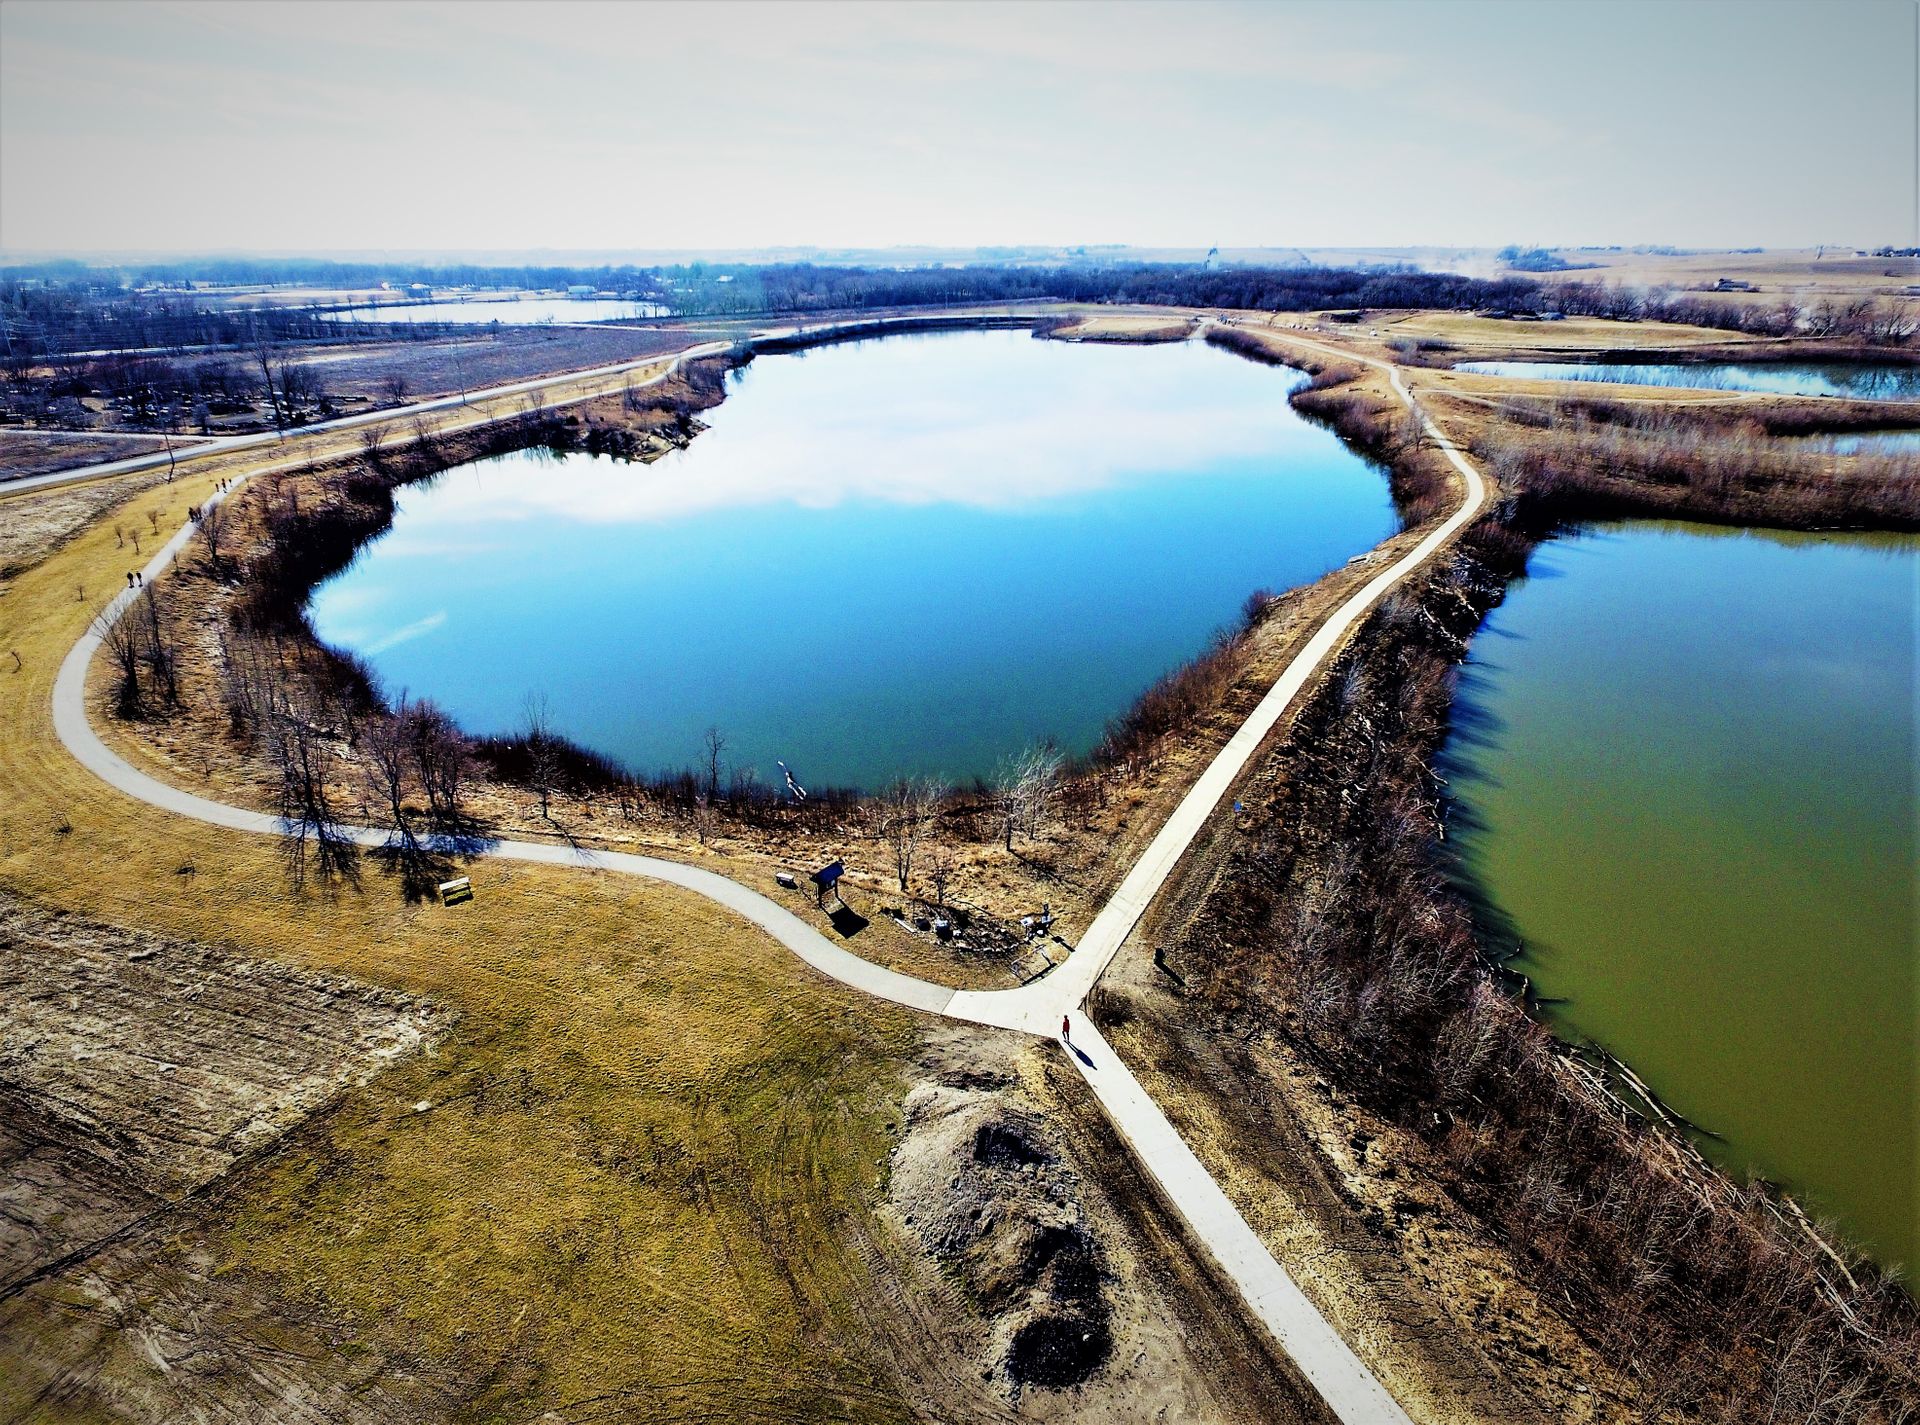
(573, 126)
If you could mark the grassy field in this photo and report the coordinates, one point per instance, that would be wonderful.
(1471, 333)
(29, 452)
(645, 1174)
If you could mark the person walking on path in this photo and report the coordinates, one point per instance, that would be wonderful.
(1066, 1028)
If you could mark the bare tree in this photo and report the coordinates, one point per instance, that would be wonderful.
(154, 633)
(302, 394)
(121, 639)
(907, 810)
(387, 745)
(387, 762)
(263, 353)
(940, 869)
(316, 844)
(713, 744)
(543, 760)
(213, 535)
(440, 762)
(1025, 789)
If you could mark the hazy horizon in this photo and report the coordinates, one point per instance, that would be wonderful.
(201, 129)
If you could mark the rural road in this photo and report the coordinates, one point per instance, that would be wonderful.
(229, 444)
(1329, 1365)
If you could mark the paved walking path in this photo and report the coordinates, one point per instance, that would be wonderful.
(1343, 1381)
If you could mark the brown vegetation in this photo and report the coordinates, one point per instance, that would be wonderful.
(1585, 458)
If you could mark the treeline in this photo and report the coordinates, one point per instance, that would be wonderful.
(52, 321)
(157, 393)
(190, 272)
(736, 290)
(1536, 259)
(1864, 319)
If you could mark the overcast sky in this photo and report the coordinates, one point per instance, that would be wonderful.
(504, 126)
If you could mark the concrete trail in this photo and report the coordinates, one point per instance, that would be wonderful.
(1329, 1365)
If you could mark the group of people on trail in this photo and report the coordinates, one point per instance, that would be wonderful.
(135, 579)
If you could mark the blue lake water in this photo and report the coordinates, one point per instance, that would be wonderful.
(1861, 380)
(899, 557)
(1686, 767)
(526, 311)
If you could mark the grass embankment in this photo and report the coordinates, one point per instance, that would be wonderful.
(645, 1176)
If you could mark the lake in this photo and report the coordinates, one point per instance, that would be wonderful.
(526, 311)
(1684, 777)
(1861, 380)
(909, 556)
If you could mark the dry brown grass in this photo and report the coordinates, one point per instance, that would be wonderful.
(652, 1150)
(1481, 334)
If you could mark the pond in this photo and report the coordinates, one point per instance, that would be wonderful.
(1683, 771)
(1876, 442)
(1860, 380)
(911, 556)
(526, 311)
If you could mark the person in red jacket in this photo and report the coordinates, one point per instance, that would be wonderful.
(1066, 1028)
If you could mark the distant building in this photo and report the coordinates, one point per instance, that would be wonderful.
(419, 291)
(580, 289)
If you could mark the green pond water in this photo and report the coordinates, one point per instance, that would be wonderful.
(910, 556)
(1683, 767)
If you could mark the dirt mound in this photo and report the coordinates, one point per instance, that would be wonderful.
(976, 1179)
(1058, 1350)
